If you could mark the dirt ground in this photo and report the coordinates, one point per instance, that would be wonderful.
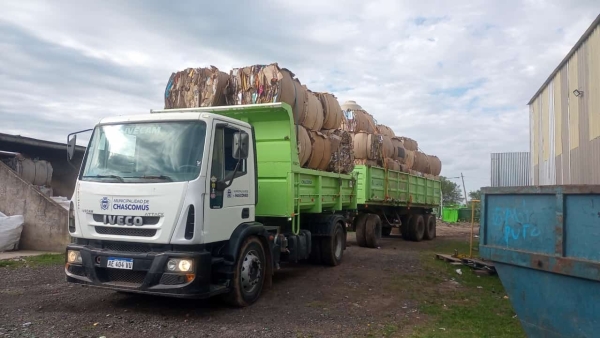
(351, 300)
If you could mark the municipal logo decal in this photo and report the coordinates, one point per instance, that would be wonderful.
(228, 193)
(104, 203)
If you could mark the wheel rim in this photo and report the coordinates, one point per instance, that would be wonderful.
(339, 244)
(251, 272)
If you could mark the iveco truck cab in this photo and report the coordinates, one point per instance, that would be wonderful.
(166, 204)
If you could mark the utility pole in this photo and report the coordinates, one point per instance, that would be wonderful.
(464, 189)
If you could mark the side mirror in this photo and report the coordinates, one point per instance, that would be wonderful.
(71, 144)
(71, 147)
(240, 145)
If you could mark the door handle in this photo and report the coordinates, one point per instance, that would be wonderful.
(245, 213)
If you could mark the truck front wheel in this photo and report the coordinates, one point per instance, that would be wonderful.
(249, 274)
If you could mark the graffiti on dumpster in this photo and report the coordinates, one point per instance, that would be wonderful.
(515, 224)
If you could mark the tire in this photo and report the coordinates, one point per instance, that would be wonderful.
(373, 231)
(404, 227)
(386, 231)
(248, 275)
(429, 227)
(315, 251)
(332, 247)
(359, 224)
(416, 228)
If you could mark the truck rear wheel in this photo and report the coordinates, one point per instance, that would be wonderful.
(332, 247)
(429, 227)
(315, 250)
(416, 228)
(249, 274)
(404, 227)
(373, 231)
(359, 225)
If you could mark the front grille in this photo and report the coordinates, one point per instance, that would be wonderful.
(171, 279)
(125, 231)
(127, 247)
(77, 270)
(147, 220)
(125, 278)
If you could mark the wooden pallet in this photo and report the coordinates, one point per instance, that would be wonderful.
(480, 266)
(448, 258)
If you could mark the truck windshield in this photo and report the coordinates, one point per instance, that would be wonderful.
(143, 152)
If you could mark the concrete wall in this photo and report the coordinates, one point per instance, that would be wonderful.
(46, 222)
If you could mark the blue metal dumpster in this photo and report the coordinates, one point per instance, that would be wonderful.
(545, 245)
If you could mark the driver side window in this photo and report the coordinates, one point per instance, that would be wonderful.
(223, 165)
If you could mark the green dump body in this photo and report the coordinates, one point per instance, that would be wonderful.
(377, 186)
(284, 188)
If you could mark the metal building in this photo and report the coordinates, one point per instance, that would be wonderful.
(510, 169)
(565, 117)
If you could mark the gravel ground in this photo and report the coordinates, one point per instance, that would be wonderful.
(350, 300)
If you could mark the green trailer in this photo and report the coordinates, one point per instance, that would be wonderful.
(388, 199)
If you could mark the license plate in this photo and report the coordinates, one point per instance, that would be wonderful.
(120, 263)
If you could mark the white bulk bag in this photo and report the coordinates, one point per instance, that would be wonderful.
(10, 231)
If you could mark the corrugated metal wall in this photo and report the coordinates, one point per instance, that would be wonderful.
(565, 128)
(510, 169)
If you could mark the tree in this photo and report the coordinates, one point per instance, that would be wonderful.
(450, 191)
(475, 195)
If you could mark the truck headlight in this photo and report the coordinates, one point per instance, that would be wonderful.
(74, 256)
(180, 265)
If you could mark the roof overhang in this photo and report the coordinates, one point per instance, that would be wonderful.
(18, 139)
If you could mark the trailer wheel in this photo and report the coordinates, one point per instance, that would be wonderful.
(373, 231)
(416, 228)
(359, 224)
(332, 249)
(248, 274)
(386, 231)
(404, 227)
(429, 227)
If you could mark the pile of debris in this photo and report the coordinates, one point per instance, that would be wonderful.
(330, 136)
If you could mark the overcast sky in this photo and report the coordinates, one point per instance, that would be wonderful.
(454, 75)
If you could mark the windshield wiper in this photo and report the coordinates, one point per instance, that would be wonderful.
(162, 177)
(119, 178)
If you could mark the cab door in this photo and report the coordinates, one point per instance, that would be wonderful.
(228, 208)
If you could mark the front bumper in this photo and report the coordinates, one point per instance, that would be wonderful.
(148, 275)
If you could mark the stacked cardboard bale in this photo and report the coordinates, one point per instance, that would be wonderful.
(342, 151)
(332, 112)
(196, 87)
(400, 153)
(377, 145)
(316, 115)
(330, 136)
(267, 84)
